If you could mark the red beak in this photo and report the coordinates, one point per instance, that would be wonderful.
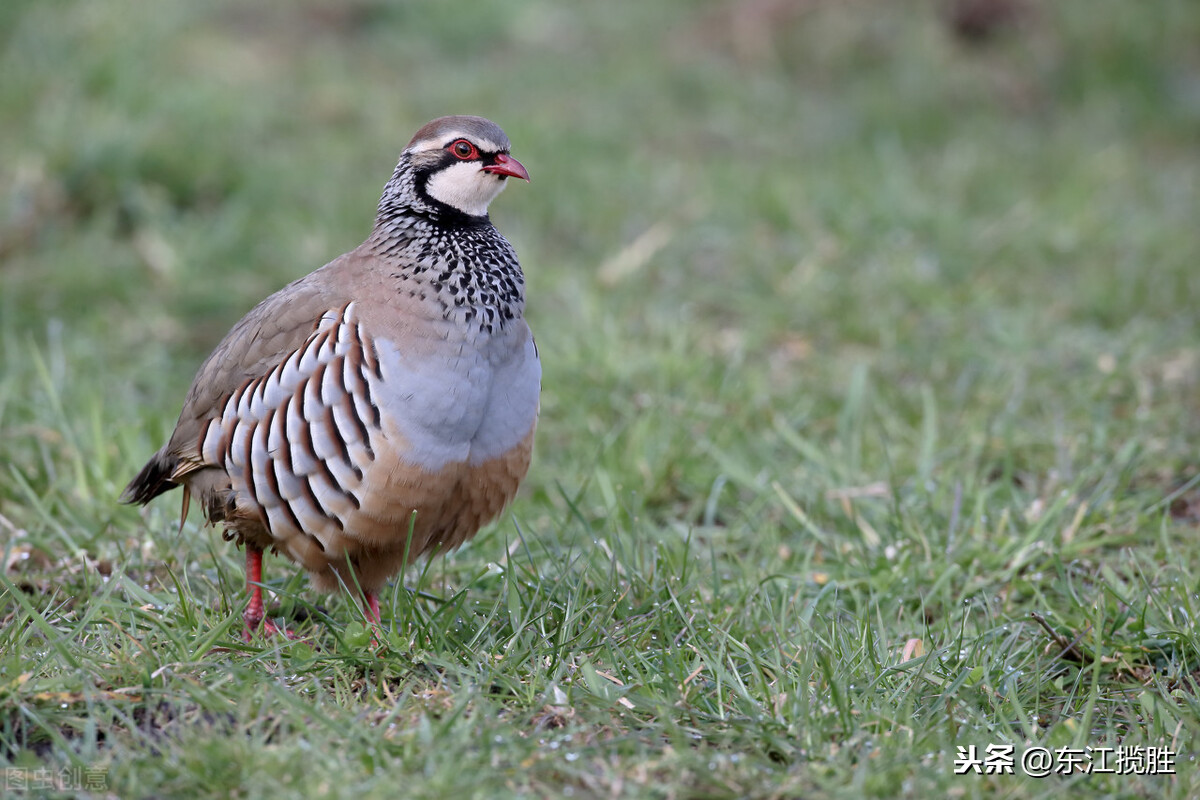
(508, 166)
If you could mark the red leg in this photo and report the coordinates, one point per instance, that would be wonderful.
(254, 609)
(371, 607)
(371, 611)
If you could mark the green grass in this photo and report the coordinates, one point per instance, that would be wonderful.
(854, 334)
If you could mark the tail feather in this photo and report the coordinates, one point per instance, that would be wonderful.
(153, 480)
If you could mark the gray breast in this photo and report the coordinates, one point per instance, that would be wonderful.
(460, 400)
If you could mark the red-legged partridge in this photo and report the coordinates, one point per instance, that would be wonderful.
(382, 407)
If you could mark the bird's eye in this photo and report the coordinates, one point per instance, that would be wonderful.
(464, 149)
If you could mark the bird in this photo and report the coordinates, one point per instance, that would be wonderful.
(381, 408)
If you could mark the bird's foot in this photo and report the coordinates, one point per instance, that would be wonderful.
(267, 629)
(370, 607)
(258, 623)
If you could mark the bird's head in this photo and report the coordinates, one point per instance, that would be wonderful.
(461, 163)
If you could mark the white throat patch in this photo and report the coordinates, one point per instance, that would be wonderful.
(466, 187)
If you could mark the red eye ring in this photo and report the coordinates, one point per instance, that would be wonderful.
(462, 149)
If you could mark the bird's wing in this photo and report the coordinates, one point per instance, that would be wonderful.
(263, 338)
(269, 334)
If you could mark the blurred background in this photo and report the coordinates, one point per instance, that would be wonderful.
(972, 223)
(870, 329)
